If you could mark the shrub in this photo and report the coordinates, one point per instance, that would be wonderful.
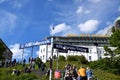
(61, 58)
(72, 58)
(107, 64)
(80, 59)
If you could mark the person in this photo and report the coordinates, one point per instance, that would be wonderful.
(39, 64)
(74, 72)
(16, 72)
(82, 73)
(42, 68)
(33, 64)
(68, 76)
(89, 74)
(24, 62)
(27, 69)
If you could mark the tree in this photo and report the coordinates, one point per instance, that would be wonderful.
(38, 60)
(115, 41)
(109, 52)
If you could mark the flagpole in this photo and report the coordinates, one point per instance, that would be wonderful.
(50, 77)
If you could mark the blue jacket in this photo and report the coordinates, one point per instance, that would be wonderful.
(89, 73)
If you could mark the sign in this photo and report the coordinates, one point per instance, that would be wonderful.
(69, 47)
(62, 50)
(34, 44)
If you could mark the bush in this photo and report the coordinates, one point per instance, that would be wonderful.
(61, 58)
(107, 64)
(71, 58)
(80, 59)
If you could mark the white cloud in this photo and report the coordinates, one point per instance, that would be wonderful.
(1, 1)
(82, 10)
(59, 28)
(89, 26)
(17, 4)
(7, 21)
(79, 10)
(94, 1)
(87, 11)
(106, 29)
(17, 53)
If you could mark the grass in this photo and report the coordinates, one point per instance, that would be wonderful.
(103, 75)
(99, 74)
(5, 73)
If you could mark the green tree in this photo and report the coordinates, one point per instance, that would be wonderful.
(38, 60)
(115, 40)
(109, 52)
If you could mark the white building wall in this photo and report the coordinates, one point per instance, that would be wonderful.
(95, 53)
(44, 52)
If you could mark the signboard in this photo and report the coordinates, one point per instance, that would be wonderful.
(69, 47)
(62, 50)
(34, 44)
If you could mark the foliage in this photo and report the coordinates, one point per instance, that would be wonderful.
(61, 58)
(80, 59)
(106, 64)
(38, 60)
(5, 73)
(115, 40)
(109, 51)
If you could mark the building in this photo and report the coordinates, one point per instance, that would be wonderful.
(94, 43)
(7, 54)
(116, 25)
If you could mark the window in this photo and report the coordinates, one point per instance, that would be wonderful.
(100, 52)
(43, 57)
(90, 58)
(90, 51)
(103, 51)
(41, 50)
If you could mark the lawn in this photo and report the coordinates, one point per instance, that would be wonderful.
(6, 73)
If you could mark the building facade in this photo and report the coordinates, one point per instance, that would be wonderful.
(7, 54)
(117, 23)
(94, 43)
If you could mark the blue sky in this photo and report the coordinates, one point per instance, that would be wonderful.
(24, 21)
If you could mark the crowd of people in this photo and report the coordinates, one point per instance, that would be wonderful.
(8, 63)
(72, 73)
